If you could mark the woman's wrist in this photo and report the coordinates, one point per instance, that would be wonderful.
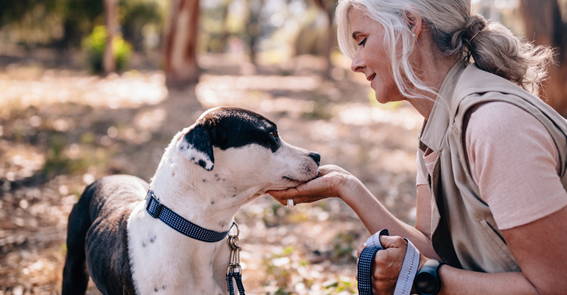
(349, 189)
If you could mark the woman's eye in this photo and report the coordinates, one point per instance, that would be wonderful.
(362, 42)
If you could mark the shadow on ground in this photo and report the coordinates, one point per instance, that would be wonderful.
(61, 129)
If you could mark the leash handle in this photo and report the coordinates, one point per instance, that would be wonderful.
(366, 262)
(407, 273)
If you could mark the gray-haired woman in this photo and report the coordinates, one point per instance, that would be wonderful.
(491, 199)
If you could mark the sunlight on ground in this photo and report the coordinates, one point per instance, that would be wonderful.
(76, 128)
(129, 90)
(362, 114)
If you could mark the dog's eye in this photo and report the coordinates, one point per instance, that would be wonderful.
(274, 134)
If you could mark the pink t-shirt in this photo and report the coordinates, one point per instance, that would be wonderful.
(514, 162)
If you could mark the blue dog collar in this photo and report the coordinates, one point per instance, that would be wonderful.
(180, 224)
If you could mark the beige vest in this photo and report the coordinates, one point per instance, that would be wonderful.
(464, 231)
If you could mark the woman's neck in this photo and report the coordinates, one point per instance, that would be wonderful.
(432, 68)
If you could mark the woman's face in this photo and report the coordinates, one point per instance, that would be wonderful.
(371, 57)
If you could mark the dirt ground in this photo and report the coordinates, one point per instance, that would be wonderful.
(62, 128)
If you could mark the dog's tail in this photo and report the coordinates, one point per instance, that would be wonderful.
(75, 275)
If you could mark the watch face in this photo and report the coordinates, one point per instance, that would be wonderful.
(426, 283)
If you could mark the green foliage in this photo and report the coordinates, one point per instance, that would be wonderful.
(341, 287)
(95, 44)
(137, 15)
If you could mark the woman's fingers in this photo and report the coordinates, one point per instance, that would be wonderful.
(325, 185)
(393, 242)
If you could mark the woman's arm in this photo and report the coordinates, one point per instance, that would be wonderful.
(540, 250)
(376, 217)
(334, 181)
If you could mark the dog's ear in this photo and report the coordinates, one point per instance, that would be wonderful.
(196, 145)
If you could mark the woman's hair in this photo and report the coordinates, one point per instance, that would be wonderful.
(491, 46)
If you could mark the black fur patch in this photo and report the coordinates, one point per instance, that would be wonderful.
(235, 127)
(97, 238)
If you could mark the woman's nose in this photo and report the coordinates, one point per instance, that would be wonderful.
(357, 65)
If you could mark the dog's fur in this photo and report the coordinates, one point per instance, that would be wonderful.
(208, 171)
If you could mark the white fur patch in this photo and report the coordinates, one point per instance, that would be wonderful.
(195, 155)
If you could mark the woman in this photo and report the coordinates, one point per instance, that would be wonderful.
(491, 200)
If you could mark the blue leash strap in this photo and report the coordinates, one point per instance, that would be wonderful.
(237, 277)
(366, 261)
(407, 274)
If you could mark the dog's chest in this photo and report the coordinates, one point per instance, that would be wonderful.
(165, 262)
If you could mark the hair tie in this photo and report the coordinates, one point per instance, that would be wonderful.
(471, 39)
(475, 25)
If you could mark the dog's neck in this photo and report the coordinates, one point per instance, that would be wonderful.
(203, 197)
(211, 204)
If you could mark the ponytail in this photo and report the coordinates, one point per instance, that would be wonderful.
(495, 49)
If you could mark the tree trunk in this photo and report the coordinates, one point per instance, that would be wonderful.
(181, 67)
(545, 26)
(111, 14)
(328, 8)
(253, 29)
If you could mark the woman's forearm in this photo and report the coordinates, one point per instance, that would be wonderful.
(463, 282)
(376, 217)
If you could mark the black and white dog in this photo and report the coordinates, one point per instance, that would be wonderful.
(208, 171)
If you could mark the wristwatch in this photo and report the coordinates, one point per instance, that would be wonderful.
(427, 280)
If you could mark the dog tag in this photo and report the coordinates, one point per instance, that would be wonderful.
(290, 203)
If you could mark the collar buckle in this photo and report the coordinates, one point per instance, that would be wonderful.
(153, 206)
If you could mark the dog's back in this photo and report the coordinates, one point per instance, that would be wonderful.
(102, 247)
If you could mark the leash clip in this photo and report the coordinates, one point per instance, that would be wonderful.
(234, 261)
(234, 270)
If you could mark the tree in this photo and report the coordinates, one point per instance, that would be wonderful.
(181, 67)
(545, 26)
(328, 7)
(253, 28)
(111, 22)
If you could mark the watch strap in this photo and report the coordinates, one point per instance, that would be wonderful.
(430, 267)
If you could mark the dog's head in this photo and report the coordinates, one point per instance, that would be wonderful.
(243, 147)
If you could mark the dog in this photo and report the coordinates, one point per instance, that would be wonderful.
(228, 157)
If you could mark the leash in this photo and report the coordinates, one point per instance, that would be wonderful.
(234, 270)
(366, 261)
(189, 229)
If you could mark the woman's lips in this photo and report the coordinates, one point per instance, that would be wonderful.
(371, 77)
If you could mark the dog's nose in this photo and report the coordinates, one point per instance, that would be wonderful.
(316, 157)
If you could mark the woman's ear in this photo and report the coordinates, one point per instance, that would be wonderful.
(415, 23)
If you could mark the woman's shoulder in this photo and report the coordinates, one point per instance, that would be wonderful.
(497, 120)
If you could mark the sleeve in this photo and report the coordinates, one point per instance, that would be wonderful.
(421, 177)
(514, 161)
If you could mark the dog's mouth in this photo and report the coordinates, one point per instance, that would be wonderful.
(291, 179)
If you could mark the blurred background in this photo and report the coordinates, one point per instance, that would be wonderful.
(73, 110)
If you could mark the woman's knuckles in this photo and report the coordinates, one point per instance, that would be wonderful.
(393, 242)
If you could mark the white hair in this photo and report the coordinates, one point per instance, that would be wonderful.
(455, 31)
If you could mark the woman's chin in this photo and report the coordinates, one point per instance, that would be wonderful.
(383, 99)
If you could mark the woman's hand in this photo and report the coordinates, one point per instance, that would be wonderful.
(331, 182)
(388, 263)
